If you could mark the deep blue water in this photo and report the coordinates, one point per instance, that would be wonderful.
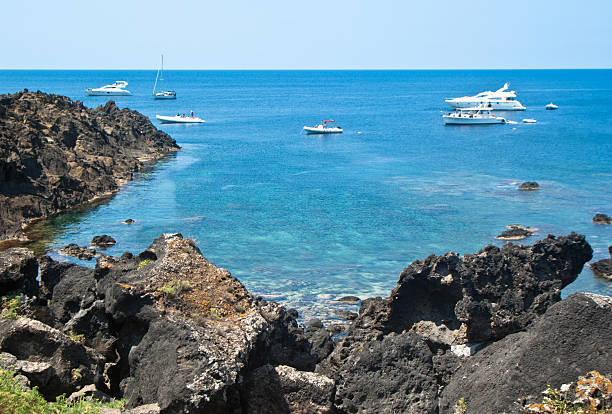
(304, 219)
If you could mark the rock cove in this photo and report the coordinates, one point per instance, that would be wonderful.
(57, 154)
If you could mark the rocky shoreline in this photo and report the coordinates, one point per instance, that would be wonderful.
(168, 330)
(57, 154)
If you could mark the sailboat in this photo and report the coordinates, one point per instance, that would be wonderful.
(162, 94)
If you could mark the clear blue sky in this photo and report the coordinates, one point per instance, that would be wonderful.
(310, 34)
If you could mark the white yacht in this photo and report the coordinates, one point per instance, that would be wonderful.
(478, 115)
(323, 128)
(501, 100)
(551, 107)
(180, 119)
(162, 94)
(116, 88)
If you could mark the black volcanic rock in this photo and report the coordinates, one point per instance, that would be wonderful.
(18, 272)
(529, 186)
(479, 297)
(514, 234)
(48, 358)
(603, 268)
(57, 154)
(179, 317)
(282, 389)
(80, 252)
(395, 373)
(602, 219)
(572, 338)
(103, 241)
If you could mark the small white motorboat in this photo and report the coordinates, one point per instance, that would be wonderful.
(180, 119)
(160, 76)
(551, 107)
(116, 88)
(529, 121)
(323, 128)
(479, 115)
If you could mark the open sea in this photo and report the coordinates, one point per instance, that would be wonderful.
(306, 219)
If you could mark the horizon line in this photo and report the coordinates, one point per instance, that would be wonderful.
(304, 69)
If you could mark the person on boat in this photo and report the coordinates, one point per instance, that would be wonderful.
(191, 114)
(183, 116)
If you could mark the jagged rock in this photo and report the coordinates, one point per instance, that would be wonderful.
(58, 154)
(103, 241)
(314, 324)
(179, 317)
(94, 325)
(570, 339)
(529, 186)
(602, 219)
(347, 315)
(67, 287)
(479, 297)
(282, 389)
(514, 234)
(394, 374)
(77, 251)
(51, 361)
(18, 271)
(603, 268)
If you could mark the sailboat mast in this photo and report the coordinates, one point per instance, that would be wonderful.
(161, 79)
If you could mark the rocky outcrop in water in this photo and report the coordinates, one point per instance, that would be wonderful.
(529, 186)
(167, 313)
(440, 307)
(600, 218)
(603, 268)
(57, 154)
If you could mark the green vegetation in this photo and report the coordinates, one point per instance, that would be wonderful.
(15, 399)
(175, 287)
(10, 306)
(461, 406)
(80, 338)
(592, 392)
(144, 263)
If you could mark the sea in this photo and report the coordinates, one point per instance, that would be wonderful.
(306, 219)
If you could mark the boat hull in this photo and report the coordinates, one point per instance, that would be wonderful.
(179, 120)
(163, 96)
(499, 106)
(312, 130)
(451, 120)
(93, 92)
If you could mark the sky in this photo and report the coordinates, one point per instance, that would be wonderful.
(313, 34)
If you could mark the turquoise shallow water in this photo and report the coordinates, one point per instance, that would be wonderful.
(305, 219)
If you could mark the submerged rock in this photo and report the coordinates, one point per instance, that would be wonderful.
(529, 186)
(602, 219)
(570, 339)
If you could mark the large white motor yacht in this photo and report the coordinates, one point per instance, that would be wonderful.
(473, 116)
(117, 88)
(501, 100)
